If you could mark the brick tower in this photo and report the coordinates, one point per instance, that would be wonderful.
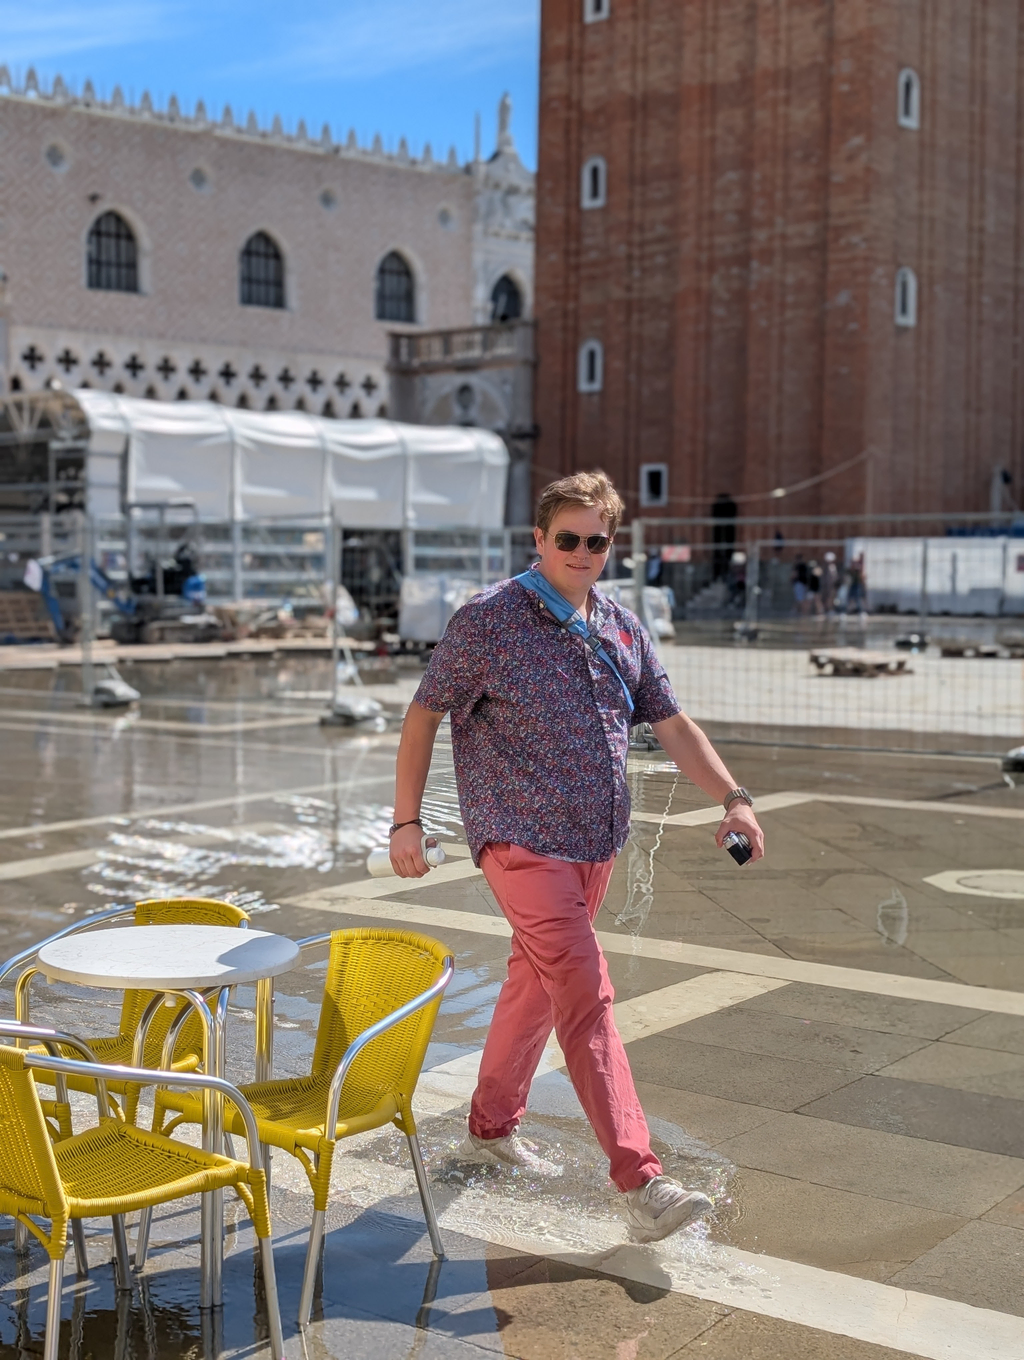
(779, 239)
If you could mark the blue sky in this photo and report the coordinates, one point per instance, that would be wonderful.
(397, 67)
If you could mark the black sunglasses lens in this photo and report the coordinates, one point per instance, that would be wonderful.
(596, 543)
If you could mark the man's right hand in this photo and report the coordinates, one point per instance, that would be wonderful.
(407, 853)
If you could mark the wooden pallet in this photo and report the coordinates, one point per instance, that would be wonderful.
(864, 665)
(23, 618)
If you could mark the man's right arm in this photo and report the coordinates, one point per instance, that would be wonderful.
(411, 769)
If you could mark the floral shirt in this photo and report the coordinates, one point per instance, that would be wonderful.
(540, 725)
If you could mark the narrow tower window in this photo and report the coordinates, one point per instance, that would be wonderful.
(909, 87)
(594, 183)
(653, 484)
(593, 10)
(590, 372)
(906, 297)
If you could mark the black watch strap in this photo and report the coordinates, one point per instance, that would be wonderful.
(397, 826)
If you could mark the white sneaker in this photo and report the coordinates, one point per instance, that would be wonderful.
(661, 1206)
(508, 1151)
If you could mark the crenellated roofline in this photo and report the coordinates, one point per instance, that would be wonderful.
(60, 95)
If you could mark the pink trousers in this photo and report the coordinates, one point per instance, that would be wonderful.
(557, 976)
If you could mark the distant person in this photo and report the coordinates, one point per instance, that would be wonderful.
(856, 592)
(829, 583)
(799, 580)
(543, 677)
(813, 588)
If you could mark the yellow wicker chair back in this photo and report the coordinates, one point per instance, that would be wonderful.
(29, 1180)
(174, 911)
(371, 973)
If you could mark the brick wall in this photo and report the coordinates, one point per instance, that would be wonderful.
(761, 196)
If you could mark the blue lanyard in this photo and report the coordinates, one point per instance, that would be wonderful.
(569, 619)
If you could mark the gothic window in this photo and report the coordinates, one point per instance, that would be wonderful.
(112, 255)
(909, 110)
(261, 272)
(906, 297)
(396, 291)
(506, 300)
(593, 10)
(594, 183)
(590, 373)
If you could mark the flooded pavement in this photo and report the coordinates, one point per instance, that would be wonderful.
(830, 1045)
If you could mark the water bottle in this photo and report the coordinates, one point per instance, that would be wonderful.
(378, 862)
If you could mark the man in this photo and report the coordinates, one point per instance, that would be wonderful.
(540, 730)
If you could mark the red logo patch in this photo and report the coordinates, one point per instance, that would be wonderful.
(625, 638)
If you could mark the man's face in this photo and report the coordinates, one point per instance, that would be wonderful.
(572, 573)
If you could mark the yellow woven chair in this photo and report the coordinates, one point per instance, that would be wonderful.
(117, 1048)
(113, 1169)
(381, 998)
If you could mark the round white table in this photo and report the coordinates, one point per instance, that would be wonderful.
(186, 961)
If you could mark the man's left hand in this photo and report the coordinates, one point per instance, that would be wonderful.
(741, 818)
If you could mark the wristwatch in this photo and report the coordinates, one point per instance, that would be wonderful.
(740, 795)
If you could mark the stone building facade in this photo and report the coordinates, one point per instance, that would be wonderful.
(782, 243)
(175, 255)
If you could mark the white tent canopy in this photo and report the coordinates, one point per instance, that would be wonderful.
(244, 465)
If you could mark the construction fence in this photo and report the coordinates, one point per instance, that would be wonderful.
(875, 632)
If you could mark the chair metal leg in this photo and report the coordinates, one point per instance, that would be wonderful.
(20, 1238)
(52, 1339)
(122, 1260)
(273, 1306)
(425, 1196)
(316, 1241)
(81, 1255)
(142, 1238)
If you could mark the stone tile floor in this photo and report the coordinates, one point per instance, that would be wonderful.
(829, 1043)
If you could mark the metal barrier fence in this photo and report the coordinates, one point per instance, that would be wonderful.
(852, 631)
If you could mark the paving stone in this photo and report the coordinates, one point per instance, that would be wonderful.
(832, 1229)
(980, 1265)
(950, 1180)
(786, 1036)
(936, 1113)
(756, 1078)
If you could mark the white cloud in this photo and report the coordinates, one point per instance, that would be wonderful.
(359, 40)
(38, 33)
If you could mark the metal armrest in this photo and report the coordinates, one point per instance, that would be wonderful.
(26, 955)
(150, 1076)
(374, 1031)
(52, 1039)
(311, 941)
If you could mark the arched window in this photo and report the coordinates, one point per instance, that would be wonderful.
(594, 183)
(590, 370)
(909, 93)
(593, 10)
(261, 273)
(396, 291)
(906, 297)
(506, 300)
(112, 255)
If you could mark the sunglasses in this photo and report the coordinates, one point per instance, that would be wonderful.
(597, 544)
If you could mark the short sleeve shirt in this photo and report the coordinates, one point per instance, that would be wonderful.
(540, 725)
